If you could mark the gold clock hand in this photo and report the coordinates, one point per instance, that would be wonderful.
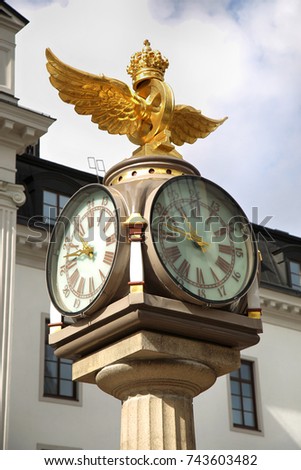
(194, 236)
(89, 251)
(190, 236)
(75, 253)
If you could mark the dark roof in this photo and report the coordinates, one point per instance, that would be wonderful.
(277, 249)
(37, 175)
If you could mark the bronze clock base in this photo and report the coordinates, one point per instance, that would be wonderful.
(140, 311)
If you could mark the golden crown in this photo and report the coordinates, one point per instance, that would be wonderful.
(147, 64)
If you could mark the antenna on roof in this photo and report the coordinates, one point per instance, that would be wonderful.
(97, 165)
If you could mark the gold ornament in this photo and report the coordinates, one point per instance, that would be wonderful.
(146, 114)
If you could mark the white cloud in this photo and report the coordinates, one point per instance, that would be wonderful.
(37, 3)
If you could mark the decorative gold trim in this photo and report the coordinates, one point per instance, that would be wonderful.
(142, 172)
(136, 288)
(255, 314)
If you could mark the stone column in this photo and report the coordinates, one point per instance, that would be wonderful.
(11, 197)
(157, 410)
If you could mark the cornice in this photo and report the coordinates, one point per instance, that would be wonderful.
(20, 127)
(280, 309)
(11, 18)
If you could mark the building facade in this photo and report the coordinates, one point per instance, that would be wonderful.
(256, 407)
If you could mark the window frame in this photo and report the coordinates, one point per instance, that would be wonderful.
(57, 399)
(295, 287)
(48, 219)
(258, 430)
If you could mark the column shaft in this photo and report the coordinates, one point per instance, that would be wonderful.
(11, 196)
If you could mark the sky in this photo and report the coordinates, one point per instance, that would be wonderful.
(235, 58)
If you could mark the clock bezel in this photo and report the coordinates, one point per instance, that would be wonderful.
(165, 276)
(116, 273)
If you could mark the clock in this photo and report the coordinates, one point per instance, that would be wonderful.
(201, 245)
(85, 259)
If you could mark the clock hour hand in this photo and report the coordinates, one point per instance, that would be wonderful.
(190, 236)
(88, 250)
(74, 253)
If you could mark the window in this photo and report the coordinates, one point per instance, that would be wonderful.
(57, 374)
(243, 403)
(295, 273)
(53, 203)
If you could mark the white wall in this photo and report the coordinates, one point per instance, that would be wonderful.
(279, 377)
(94, 425)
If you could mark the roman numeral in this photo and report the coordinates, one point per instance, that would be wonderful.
(100, 216)
(103, 277)
(91, 285)
(199, 276)
(71, 263)
(108, 257)
(91, 220)
(227, 249)
(109, 222)
(111, 239)
(173, 253)
(184, 268)
(81, 286)
(73, 278)
(222, 290)
(217, 279)
(221, 232)
(214, 208)
(223, 264)
(78, 227)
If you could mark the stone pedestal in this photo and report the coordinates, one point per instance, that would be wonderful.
(156, 377)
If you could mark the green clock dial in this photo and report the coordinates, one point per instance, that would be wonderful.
(203, 241)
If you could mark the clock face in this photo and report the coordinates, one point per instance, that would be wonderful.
(203, 241)
(82, 250)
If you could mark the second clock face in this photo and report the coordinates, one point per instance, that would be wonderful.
(203, 240)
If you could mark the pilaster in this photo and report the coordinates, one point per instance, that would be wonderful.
(11, 197)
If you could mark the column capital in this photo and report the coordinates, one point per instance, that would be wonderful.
(157, 376)
(12, 194)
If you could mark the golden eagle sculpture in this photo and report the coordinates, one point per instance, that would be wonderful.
(147, 114)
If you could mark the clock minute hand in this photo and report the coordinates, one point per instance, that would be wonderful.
(87, 249)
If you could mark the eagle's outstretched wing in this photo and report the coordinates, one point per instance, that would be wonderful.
(188, 124)
(111, 103)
